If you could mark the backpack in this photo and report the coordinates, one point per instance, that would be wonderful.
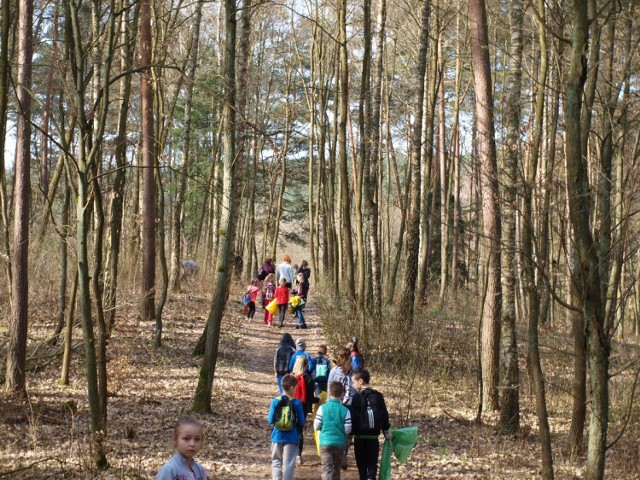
(246, 299)
(283, 356)
(369, 411)
(285, 415)
(357, 362)
(321, 372)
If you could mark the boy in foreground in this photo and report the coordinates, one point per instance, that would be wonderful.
(285, 442)
(370, 418)
(333, 420)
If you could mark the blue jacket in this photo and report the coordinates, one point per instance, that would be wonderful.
(292, 361)
(291, 436)
(176, 469)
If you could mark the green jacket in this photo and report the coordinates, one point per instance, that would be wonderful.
(334, 422)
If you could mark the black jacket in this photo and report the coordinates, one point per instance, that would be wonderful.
(373, 398)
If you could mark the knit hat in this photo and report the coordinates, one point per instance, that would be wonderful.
(300, 343)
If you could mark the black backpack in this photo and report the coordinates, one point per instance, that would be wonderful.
(283, 355)
(370, 411)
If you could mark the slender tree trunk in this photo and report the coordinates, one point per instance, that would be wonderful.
(147, 310)
(444, 179)
(375, 169)
(202, 398)
(5, 249)
(528, 257)
(510, 376)
(117, 200)
(413, 222)
(345, 251)
(64, 263)
(590, 292)
(490, 199)
(176, 227)
(68, 332)
(17, 347)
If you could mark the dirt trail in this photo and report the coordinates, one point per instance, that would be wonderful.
(259, 343)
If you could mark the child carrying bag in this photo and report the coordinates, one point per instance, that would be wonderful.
(272, 307)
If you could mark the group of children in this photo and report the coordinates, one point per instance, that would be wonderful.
(354, 413)
(264, 289)
(353, 407)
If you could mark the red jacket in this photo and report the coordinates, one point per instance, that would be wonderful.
(301, 389)
(282, 295)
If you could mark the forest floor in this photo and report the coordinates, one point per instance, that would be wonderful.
(45, 437)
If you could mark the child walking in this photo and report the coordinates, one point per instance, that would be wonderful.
(333, 421)
(282, 297)
(188, 439)
(370, 418)
(268, 295)
(303, 290)
(284, 444)
(253, 291)
(304, 392)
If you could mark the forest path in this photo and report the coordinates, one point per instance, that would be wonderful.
(258, 343)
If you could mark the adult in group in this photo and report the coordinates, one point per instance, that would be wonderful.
(266, 269)
(285, 270)
(305, 270)
(285, 351)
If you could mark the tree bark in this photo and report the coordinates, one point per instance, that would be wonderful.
(413, 222)
(147, 309)
(598, 343)
(17, 347)
(510, 375)
(224, 262)
(492, 229)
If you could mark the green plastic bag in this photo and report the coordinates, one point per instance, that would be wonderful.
(404, 439)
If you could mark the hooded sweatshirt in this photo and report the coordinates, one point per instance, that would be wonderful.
(283, 354)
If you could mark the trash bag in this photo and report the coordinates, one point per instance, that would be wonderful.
(272, 307)
(404, 439)
(316, 433)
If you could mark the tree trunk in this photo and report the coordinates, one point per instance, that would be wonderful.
(528, 257)
(490, 201)
(5, 249)
(147, 310)
(510, 375)
(127, 35)
(17, 347)
(176, 227)
(590, 292)
(224, 262)
(413, 222)
(345, 248)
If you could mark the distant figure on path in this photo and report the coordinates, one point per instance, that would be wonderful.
(252, 291)
(188, 439)
(282, 297)
(268, 294)
(303, 290)
(266, 270)
(357, 362)
(237, 264)
(281, 359)
(305, 270)
(189, 270)
(285, 270)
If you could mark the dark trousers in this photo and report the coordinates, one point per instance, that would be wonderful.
(366, 451)
(282, 312)
(252, 309)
